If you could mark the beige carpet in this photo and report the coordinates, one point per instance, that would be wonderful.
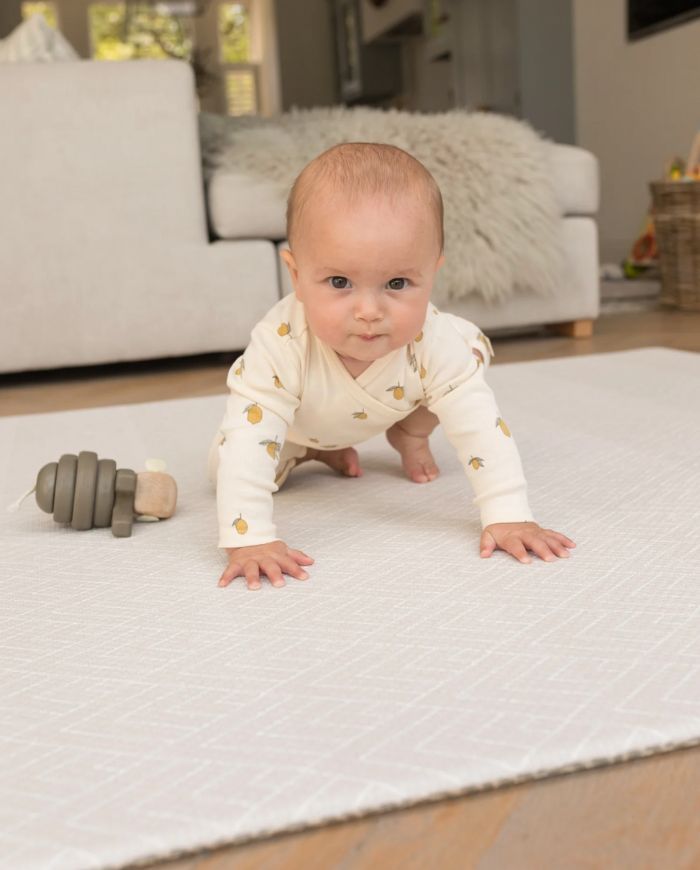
(146, 712)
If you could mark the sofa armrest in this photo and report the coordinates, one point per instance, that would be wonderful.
(574, 173)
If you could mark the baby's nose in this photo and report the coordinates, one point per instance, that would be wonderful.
(368, 306)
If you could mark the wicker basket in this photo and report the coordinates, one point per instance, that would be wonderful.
(677, 222)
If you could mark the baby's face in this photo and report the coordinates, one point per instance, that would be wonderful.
(364, 272)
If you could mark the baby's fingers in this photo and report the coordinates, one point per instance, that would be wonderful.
(252, 574)
(487, 546)
(557, 546)
(270, 567)
(567, 542)
(300, 556)
(516, 548)
(540, 546)
(231, 572)
(289, 566)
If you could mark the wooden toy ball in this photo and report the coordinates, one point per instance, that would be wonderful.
(88, 492)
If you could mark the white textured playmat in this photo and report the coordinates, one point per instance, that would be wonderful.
(145, 712)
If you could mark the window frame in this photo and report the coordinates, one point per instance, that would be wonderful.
(254, 62)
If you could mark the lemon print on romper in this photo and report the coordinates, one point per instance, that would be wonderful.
(360, 415)
(397, 390)
(315, 440)
(241, 368)
(423, 372)
(419, 337)
(254, 413)
(411, 358)
(284, 329)
(501, 423)
(476, 462)
(272, 447)
(240, 525)
(277, 382)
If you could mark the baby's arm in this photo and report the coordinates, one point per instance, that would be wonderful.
(264, 394)
(465, 405)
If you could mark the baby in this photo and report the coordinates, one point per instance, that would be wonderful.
(358, 349)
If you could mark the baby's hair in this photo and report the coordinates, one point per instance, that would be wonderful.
(362, 168)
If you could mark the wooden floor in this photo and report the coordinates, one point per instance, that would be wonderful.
(636, 814)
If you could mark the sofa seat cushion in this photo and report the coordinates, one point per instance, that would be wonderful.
(98, 303)
(243, 206)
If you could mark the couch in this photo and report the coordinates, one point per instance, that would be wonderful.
(113, 248)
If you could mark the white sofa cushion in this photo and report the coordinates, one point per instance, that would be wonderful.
(244, 206)
(94, 150)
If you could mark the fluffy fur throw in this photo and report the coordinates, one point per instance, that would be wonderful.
(502, 224)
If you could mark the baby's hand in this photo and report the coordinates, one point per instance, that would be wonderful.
(272, 559)
(518, 538)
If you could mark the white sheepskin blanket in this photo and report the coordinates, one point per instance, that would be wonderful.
(503, 228)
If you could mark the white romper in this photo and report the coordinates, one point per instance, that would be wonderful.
(290, 391)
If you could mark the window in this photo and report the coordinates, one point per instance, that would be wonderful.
(125, 31)
(236, 56)
(48, 10)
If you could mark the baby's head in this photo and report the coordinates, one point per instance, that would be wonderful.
(365, 229)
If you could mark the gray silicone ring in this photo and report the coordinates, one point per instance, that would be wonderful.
(104, 493)
(65, 488)
(84, 498)
(46, 486)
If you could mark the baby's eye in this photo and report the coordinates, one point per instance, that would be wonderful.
(397, 283)
(338, 282)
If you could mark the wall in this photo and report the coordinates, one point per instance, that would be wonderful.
(306, 42)
(10, 16)
(636, 107)
(546, 66)
(427, 85)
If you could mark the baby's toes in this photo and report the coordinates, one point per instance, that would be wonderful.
(352, 463)
(425, 472)
(420, 465)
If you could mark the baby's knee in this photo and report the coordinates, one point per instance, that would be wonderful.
(421, 421)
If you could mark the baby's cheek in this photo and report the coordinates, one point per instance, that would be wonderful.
(411, 319)
(326, 325)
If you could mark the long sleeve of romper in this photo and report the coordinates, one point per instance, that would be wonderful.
(458, 394)
(264, 385)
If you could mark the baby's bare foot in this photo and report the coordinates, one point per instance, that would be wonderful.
(345, 460)
(416, 458)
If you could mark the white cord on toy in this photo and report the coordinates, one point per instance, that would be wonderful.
(15, 506)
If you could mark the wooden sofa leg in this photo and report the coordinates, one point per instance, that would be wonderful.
(572, 328)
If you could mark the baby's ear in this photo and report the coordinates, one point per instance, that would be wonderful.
(290, 262)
